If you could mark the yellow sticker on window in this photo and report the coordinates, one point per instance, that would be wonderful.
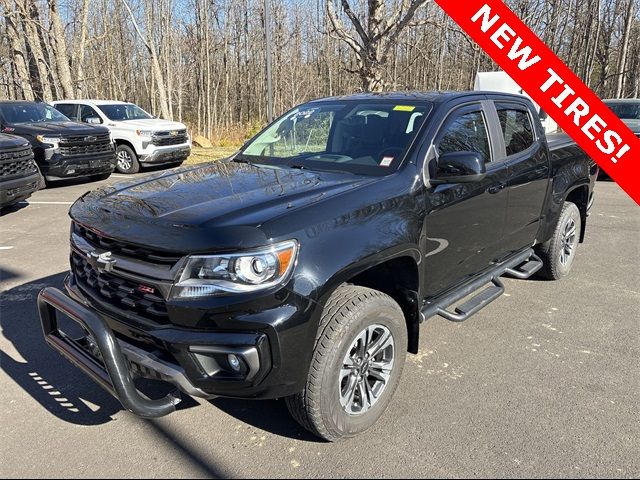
(404, 108)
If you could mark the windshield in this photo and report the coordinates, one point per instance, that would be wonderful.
(626, 111)
(354, 136)
(16, 113)
(122, 112)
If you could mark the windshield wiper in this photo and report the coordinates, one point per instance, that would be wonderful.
(242, 159)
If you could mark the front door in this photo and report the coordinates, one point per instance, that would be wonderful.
(465, 221)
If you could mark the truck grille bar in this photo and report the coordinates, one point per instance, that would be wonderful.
(19, 162)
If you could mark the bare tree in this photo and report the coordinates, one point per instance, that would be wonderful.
(18, 55)
(373, 38)
(155, 63)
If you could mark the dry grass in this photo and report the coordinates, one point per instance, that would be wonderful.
(201, 155)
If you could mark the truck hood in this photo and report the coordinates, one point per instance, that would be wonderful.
(212, 207)
(151, 124)
(57, 128)
(10, 141)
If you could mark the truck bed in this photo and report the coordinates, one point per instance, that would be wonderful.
(559, 140)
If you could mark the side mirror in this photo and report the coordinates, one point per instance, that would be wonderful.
(94, 120)
(459, 167)
(543, 115)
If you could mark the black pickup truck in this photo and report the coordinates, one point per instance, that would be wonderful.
(19, 176)
(303, 266)
(62, 148)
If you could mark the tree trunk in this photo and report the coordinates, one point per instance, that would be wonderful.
(624, 52)
(78, 52)
(40, 71)
(18, 57)
(155, 63)
(59, 45)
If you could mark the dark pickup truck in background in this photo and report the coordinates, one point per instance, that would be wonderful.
(19, 175)
(62, 148)
(303, 266)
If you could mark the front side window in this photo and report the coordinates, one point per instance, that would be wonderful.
(354, 136)
(466, 132)
(121, 112)
(67, 109)
(517, 129)
(28, 112)
(87, 112)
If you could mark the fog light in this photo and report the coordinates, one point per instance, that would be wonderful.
(234, 362)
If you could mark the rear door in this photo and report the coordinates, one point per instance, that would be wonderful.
(527, 158)
(464, 224)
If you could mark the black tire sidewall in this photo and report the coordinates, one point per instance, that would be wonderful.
(135, 165)
(342, 424)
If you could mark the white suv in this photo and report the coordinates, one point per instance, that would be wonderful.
(140, 138)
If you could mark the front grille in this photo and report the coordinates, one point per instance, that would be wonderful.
(86, 144)
(165, 139)
(19, 162)
(121, 248)
(118, 292)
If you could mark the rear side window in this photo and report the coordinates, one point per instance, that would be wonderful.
(466, 132)
(517, 130)
(67, 109)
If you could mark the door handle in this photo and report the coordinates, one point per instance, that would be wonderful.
(542, 170)
(496, 188)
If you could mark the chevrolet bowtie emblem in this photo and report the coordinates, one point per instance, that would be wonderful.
(104, 262)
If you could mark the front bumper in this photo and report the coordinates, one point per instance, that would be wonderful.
(58, 167)
(167, 154)
(194, 361)
(12, 191)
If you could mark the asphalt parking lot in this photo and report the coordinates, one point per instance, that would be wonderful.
(545, 382)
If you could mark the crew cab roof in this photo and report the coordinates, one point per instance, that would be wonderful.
(95, 102)
(431, 97)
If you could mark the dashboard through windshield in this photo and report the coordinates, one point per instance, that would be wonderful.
(354, 136)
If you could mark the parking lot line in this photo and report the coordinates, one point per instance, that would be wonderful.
(46, 203)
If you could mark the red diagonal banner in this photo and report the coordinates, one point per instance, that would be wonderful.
(540, 73)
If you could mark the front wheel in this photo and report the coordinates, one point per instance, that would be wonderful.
(127, 160)
(559, 252)
(356, 366)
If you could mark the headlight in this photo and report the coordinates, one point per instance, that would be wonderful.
(211, 275)
(145, 133)
(45, 139)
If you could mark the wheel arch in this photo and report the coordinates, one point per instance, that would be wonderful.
(122, 141)
(399, 278)
(579, 195)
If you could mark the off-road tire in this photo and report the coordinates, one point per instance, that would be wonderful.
(551, 251)
(349, 310)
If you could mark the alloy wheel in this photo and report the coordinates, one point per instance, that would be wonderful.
(124, 160)
(569, 238)
(366, 369)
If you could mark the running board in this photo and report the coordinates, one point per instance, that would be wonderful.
(522, 265)
(527, 269)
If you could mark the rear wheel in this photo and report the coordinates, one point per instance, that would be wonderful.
(559, 252)
(356, 366)
(127, 160)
